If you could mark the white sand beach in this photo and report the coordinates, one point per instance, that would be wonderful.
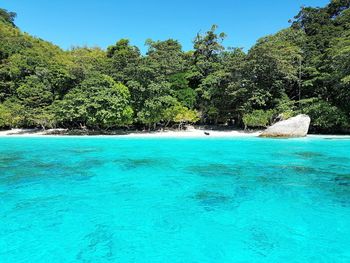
(194, 133)
(190, 133)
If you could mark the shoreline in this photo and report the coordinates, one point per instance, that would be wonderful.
(191, 133)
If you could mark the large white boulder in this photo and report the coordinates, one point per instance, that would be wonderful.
(297, 126)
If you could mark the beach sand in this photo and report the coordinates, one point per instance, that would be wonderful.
(190, 133)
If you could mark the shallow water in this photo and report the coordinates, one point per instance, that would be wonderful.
(174, 200)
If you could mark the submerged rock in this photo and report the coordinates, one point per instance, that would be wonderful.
(297, 126)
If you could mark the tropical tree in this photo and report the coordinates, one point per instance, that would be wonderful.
(98, 102)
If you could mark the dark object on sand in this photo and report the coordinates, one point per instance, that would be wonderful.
(206, 133)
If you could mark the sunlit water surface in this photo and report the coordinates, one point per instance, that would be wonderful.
(174, 200)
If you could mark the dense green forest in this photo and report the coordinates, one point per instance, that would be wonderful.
(302, 69)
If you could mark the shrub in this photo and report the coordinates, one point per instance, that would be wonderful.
(12, 115)
(257, 119)
(324, 116)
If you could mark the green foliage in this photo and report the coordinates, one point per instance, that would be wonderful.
(11, 114)
(44, 86)
(44, 118)
(182, 91)
(205, 63)
(324, 116)
(98, 102)
(273, 68)
(285, 108)
(186, 97)
(5, 117)
(180, 115)
(86, 61)
(165, 58)
(257, 119)
(34, 92)
(7, 17)
(184, 115)
(153, 110)
(123, 61)
(207, 49)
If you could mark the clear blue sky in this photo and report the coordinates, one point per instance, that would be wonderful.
(101, 23)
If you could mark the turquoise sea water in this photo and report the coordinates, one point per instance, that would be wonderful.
(174, 200)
